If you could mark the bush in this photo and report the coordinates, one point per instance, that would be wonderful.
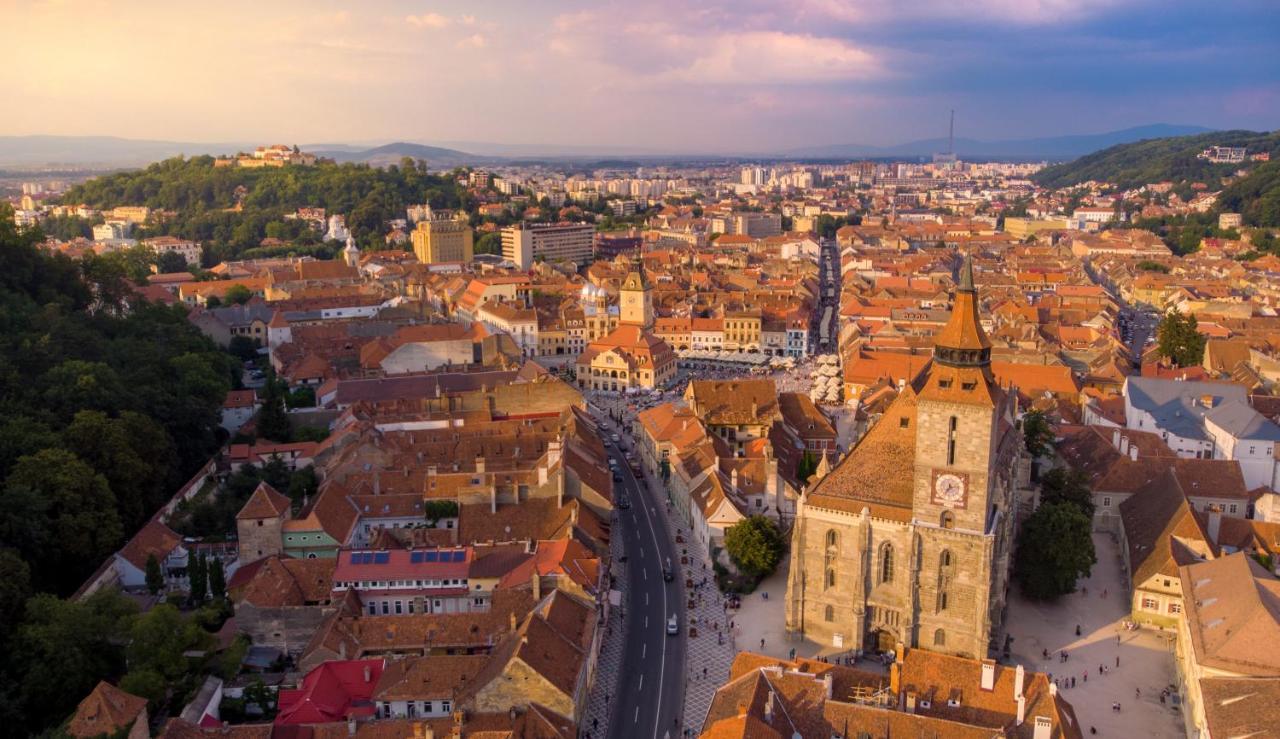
(755, 545)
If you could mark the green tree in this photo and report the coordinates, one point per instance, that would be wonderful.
(155, 579)
(273, 423)
(170, 262)
(237, 295)
(1036, 433)
(490, 243)
(60, 515)
(217, 579)
(159, 638)
(303, 484)
(147, 684)
(1055, 549)
(198, 577)
(1179, 340)
(1067, 485)
(15, 588)
(244, 347)
(65, 647)
(755, 545)
(806, 466)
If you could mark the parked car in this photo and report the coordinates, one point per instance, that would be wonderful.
(673, 625)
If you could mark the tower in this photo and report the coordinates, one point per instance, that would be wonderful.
(351, 254)
(962, 486)
(636, 299)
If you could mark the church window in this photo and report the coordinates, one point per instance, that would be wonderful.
(944, 559)
(833, 538)
(939, 638)
(831, 579)
(942, 601)
(886, 562)
(903, 422)
(829, 614)
(948, 520)
(951, 442)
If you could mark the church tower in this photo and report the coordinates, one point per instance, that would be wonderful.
(635, 299)
(963, 481)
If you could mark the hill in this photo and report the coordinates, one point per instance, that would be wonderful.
(1169, 159)
(436, 157)
(98, 151)
(1053, 147)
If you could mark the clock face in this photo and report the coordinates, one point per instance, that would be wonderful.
(948, 488)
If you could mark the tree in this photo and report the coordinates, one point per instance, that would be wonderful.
(244, 347)
(755, 545)
(237, 295)
(1055, 549)
(15, 588)
(1067, 485)
(155, 579)
(807, 465)
(217, 579)
(490, 243)
(147, 684)
(273, 423)
(198, 577)
(159, 638)
(1179, 340)
(1036, 433)
(171, 261)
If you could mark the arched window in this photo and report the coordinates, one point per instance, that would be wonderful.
(939, 638)
(942, 600)
(886, 562)
(831, 578)
(833, 538)
(829, 614)
(948, 520)
(951, 442)
(944, 560)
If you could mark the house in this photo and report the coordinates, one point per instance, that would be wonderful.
(281, 602)
(110, 711)
(238, 408)
(153, 540)
(738, 411)
(260, 524)
(1228, 648)
(332, 692)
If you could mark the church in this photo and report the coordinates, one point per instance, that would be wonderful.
(908, 539)
(631, 356)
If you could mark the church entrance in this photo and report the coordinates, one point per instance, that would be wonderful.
(881, 640)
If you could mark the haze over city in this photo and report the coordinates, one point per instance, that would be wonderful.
(669, 77)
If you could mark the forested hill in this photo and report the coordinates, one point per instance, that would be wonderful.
(1170, 159)
(204, 198)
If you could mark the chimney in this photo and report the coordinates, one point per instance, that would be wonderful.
(368, 674)
(1115, 438)
(1124, 445)
(342, 649)
(480, 465)
(377, 482)
(1215, 522)
(1019, 676)
(826, 683)
(911, 701)
(493, 499)
(768, 708)
(988, 674)
(535, 582)
(513, 620)
(1053, 690)
(755, 409)
(1206, 400)
(733, 479)
(895, 680)
(1022, 708)
(1133, 452)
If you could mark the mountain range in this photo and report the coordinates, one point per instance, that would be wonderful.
(106, 152)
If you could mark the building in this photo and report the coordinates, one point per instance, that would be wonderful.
(882, 558)
(110, 711)
(757, 225)
(442, 238)
(562, 242)
(925, 694)
(161, 245)
(1230, 220)
(631, 356)
(403, 581)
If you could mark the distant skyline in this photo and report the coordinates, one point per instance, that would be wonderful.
(709, 77)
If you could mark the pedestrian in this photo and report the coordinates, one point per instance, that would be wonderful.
(704, 672)
(1093, 730)
(1104, 594)
(762, 643)
(1117, 660)
(1117, 638)
(1085, 677)
(1077, 629)
(1073, 681)
(1137, 693)
(1099, 669)
(595, 724)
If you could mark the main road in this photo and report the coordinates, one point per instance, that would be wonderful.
(650, 696)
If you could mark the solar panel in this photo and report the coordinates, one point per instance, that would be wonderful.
(355, 558)
(415, 557)
(366, 558)
(459, 556)
(430, 556)
(381, 558)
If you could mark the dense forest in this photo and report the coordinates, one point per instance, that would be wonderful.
(205, 198)
(107, 404)
(1170, 159)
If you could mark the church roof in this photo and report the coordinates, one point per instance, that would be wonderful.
(964, 330)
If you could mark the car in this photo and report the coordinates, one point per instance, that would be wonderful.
(673, 625)
(624, 502)
(667, 575)
(617, 477)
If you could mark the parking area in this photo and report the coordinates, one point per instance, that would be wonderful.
(1128, 668)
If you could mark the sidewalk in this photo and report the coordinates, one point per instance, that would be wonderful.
(596, 719)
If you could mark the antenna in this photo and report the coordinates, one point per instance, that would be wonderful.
(951, 134)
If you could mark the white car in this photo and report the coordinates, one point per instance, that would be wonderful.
(673, 625)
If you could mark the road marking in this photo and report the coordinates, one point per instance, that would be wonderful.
(640, 687)
(646, 599)
(645, 573)
(636, 720)
(643, 648)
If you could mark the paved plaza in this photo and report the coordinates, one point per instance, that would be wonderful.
(1146, 663)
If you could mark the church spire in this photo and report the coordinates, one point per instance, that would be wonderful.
(962, 342)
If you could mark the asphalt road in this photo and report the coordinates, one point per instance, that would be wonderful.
(651, 689)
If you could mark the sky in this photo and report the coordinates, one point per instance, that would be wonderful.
(716, 76)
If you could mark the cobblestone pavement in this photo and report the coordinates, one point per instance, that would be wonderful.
(609, 663)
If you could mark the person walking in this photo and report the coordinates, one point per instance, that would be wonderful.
(1117, 660)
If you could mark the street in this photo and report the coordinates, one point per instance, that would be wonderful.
(651, 687)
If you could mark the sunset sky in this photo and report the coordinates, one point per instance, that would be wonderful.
(721, 75)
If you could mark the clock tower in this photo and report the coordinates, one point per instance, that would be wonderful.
(635, 299)
(963, 477)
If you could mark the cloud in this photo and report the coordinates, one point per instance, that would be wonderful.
(427, 20)
(474, 41)
(985, 12)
